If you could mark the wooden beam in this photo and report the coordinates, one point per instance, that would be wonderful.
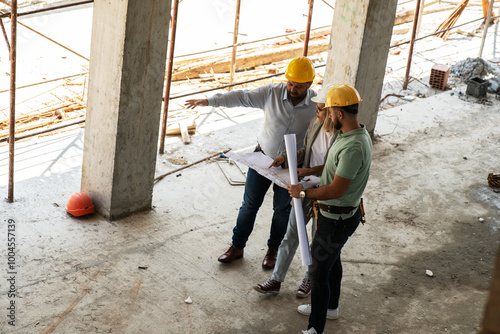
(486, 6)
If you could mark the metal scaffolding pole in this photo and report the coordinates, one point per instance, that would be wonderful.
(5, 35)
(235, 41)
(308, 28)
(53, 41)
(48, 8)
(169, 76)
(412, 42)
(12, 120)
(486, 25)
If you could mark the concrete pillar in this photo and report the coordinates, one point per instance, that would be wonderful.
(359, 46)
(127, 70)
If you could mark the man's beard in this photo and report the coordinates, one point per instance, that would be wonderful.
(336, 123)
(295, 98)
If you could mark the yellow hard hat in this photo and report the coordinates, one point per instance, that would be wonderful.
(300, 69)
(342, 95)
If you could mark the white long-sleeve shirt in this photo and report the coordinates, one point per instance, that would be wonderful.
(281, 117)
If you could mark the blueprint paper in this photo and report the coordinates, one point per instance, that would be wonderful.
(261, 162)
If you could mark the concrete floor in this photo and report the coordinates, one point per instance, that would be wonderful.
(428, 204)
(424, 199)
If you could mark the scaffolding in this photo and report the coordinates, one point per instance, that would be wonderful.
(489, 17)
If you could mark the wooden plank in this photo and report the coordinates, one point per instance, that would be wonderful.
(177, 131)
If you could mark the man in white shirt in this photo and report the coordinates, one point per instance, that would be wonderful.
(287, 109)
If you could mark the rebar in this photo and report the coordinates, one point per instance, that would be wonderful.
(412, 42)
(235, 41)
(12, 119)
(169, 75)
(308, 27)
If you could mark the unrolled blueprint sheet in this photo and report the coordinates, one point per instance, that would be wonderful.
(261, 162)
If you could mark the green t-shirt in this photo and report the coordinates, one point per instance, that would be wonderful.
(349, 157)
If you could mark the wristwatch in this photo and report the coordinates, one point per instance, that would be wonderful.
(302, 194)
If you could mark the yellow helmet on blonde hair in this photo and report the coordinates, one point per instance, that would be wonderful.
(341, 96)
(300, 69)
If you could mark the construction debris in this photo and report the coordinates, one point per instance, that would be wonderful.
(158, 178)
(477, 87)
(494, 182)
(474, 67)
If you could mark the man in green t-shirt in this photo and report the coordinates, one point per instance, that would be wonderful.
(339, 193)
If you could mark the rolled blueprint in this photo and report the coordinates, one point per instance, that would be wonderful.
(291, 152)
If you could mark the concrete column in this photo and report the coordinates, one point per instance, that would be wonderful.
(127, 70)
(359, 46)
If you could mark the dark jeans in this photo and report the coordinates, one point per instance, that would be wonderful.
(325, 271)
(256, 187)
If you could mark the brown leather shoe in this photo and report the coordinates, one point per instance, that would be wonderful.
(233, 253)
(270, 258)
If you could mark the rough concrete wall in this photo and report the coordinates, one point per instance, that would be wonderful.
(140, 106)
(103, 102)
(345, 42)
(373, 59)
(359, 46)
(128, 52)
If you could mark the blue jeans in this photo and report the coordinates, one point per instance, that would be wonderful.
(326, 269)
(290, 243)
(256, 187)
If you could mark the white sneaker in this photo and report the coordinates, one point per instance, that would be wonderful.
(310, 331)
(330, 314)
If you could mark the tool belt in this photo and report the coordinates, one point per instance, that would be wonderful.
(338, 209)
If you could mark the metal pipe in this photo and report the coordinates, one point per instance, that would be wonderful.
(328, 4)
(308, 28)
(32, 134)
(12, 119)
(486, 25)
(5, 35)
(50, 39)
(412, 42)
(169, 75)
(50, 8)
(235, 41)
(46, 81)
